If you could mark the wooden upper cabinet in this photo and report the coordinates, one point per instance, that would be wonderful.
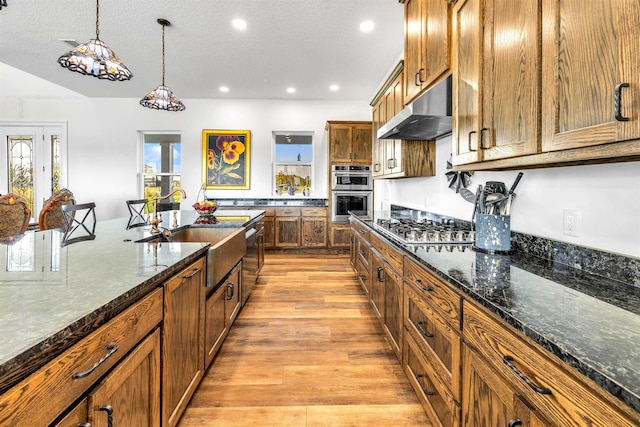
(496, 84)
(590, 53)
(350, 142)
(427, 44)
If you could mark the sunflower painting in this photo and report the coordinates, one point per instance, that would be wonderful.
(225, 158)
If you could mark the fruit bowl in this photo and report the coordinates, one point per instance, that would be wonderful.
(205, 208)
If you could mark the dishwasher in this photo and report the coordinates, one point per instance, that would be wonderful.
(253, 259)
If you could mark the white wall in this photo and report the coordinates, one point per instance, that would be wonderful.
(103, 140)
(103, 160)
(606, 196)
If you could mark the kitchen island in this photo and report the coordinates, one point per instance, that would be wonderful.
(588, 321)
(52, 296)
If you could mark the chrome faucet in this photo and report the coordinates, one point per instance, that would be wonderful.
(155, 220)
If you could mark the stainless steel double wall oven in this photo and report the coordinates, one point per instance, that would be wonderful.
(351, 190)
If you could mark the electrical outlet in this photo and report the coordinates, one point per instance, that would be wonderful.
(570, 222)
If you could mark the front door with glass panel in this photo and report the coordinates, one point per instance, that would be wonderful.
(33, 162)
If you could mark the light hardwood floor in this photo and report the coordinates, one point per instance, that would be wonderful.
(306, 350)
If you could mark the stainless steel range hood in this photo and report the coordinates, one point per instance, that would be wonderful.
(427, 117)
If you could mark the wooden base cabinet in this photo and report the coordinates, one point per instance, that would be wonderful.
(550, 388)
(182, 340)
(118, 365)
(339, 235)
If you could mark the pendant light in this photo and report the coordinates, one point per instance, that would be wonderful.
(3, 3)
(162, 98)
(95, 58)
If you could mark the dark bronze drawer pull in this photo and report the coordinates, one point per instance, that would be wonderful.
(469, 140)
(422, 386)
(428, 288)
(84, 425)
(112, 349)
(514, 422)
(423, 331)
(109, 410)
(230, 291)
(617, 101)
(195, 271)
(508, 360)
(380, 270)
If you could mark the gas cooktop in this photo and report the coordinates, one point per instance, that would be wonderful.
(430, 233)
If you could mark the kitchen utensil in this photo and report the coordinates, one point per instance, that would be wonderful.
(468, 195)
(495, 187)
(493, 202)
(505, 207)
(476, 204)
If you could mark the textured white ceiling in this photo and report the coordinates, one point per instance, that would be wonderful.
(307, 44)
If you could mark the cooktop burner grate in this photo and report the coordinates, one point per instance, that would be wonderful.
(426, 232)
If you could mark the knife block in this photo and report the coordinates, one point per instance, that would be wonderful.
(493, 233)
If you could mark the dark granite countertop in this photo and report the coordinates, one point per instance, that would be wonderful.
(52, 296)
(589, 321)
(288, 201)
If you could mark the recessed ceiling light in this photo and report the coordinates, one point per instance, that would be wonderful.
(366, 26)
(334, 88)
(291, 90)
(224, 89)
(239, 24)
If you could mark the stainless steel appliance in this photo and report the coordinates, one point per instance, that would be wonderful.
(351, 190)
(427, 117)
(359, 202)
(351, 177)
(253, 259)
(444, 233)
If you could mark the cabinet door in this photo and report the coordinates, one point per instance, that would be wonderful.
(415, 25)
(361, 144)
(269, 234)
(130, 394)
(437, 58)
(377, 151)
(339, 236)
(393, 309)
(377, 285)
(340, 137)
(233, 297)
(314, 232)
(510, 89)
(487, 399)
(589, 49)
(183, 340)
(467, 29)
(287, 231)
(215, 324)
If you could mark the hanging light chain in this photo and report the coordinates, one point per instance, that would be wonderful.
(163, 25)
(97, 19)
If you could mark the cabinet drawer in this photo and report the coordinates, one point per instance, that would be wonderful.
(314, 212)
(392, 256)
(41, 397)
(360, 229)
(269, 212)
(439, 342)
(364, 277)
(550, 388)
(439, 294)
(364, 253)
(288, 212)
(441, 408)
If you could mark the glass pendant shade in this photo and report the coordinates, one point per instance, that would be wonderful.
(96, 59)
(162, 98)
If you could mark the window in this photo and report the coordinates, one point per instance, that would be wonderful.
(161, 167)
(34, 160)
(293, 166)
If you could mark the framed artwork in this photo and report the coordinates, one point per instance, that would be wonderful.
(225, 158)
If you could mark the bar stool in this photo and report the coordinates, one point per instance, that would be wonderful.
(51, 215)
(14, 216)
(78, 230)
(136, 212)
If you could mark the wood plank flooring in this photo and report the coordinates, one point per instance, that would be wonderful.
(306, 350)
